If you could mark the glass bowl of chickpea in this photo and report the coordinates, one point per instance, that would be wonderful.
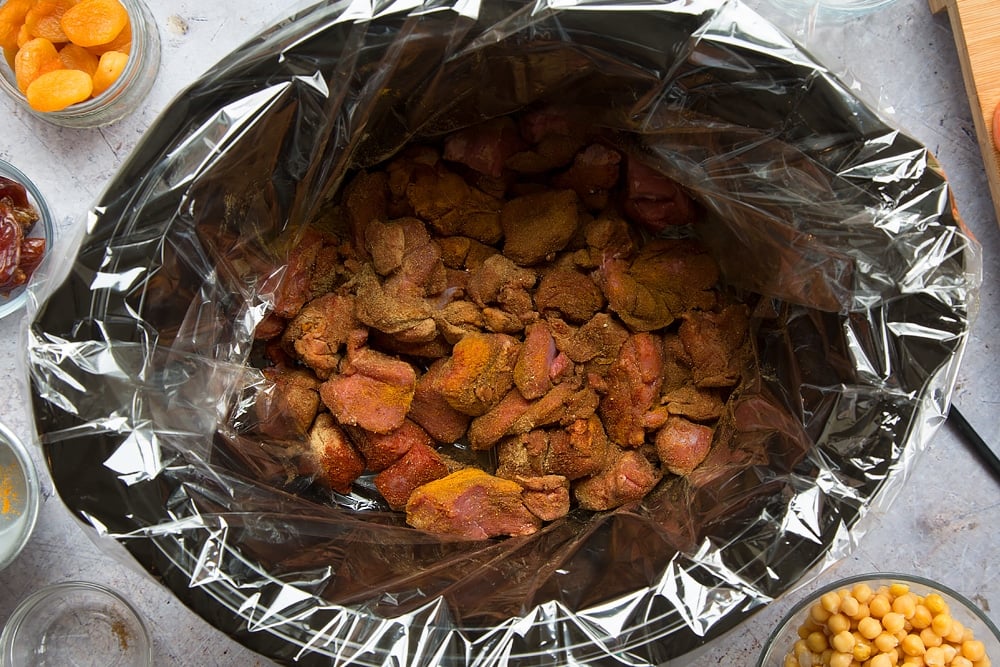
(883, 620)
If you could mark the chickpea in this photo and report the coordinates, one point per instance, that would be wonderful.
(934, 657)
(941, 624)
(817, 642)
(893, 621)
(862, 592)
(973, 649)
(906, 605)
(838, 659)
(849, 605)
(839, 623)
(929, 638)
(886, 642)
(936, 603)
(791, 661)
(961, 661)
(879, 606)
(881, 660)
(912, 645)
(830, 602)
(819, 614)
(921, 617)
(843, 642)
(869, 628)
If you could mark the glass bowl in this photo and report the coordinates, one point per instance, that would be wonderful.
(19, 492)
(75, 623)
(123, 96)
(44, 228)
(794, 633)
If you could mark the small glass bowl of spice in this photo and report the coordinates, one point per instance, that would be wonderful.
(26, 234)
(75, 623)
(19, 493)
(884, 620)
(78, 63)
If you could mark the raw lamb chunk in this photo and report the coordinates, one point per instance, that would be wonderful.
(712, 341)
(316, 335)
(479, 373)
(287, 409)
(628, 478)
(682, 445)
(380, 450)
(532, 372)
(487, 429)
(593, 174)
(538, 225)
(431, 409)
(633, 387)
(569, 293)
(471, 504)
(655, 201)
(453, 207)
(420, 465)
(547, 496)
(338, 463)
(366, 199)
(484, 147)
(581, 450)
(374, 391)
(494, 274)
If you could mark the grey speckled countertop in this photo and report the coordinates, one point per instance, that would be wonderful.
(944, 522)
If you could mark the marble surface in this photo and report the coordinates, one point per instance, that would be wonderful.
(943, 522)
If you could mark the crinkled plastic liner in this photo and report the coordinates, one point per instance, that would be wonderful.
(138, 359)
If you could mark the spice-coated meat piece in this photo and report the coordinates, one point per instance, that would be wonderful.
(337, 463)
(598, 340)
(666, 278)
(453, 207)
(418, 466)
(431, 409)
(628, 477)
(570, 294)
(539, 225)
(298, 282)
(695, 403)
(487, 429)
(579, 450)
(366, 199)
(545, 496)
(655, 201)
(373, 391)
(287, 408)
(682, 445)
(593, 174)
(457, 319)
(712, 341)
(397, 308)
(472, 504)
(633, 387)
(533, 370)
(321, 329)
(461, 252)
(496, 273)
(380, 450)
(479, 372)
(486, 146)
(523, 454)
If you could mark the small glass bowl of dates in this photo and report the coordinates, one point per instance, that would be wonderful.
(26, 234)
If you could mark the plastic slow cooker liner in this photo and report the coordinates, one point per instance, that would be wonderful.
(139, 355)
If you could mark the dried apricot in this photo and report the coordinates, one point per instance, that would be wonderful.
(77, 57)
(23, 35)
(94, 22)
(35, 58)
(56, 90)
(123, 43)
(43, 20)
(12, 15)
(109, 68)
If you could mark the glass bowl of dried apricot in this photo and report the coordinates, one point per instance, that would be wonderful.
(883, 620)
(26, 234)
(78, 63)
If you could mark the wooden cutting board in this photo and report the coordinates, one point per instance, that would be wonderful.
(976, 25)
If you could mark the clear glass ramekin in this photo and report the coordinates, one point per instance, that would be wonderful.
(783, 639)
(124, 95)
(75, 623)
(44, 228)
(19, 492)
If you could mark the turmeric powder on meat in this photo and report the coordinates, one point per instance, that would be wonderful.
(8, 493)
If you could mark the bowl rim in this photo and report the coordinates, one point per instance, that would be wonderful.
(18, 296)
(899, 577)
(30, 514)
(33, 600)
